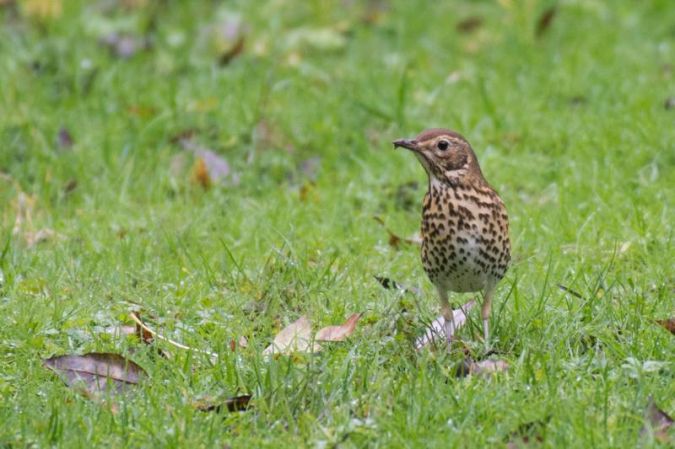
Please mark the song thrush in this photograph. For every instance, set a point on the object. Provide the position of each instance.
(465, 228)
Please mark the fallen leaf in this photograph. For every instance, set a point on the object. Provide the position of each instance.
(64, 139)
(469, 25)
(390, 284)
(296, 337)
(657, 423)
(241, 342)
(124, 46)
(209, 166)
(96, 372)
(394, 240)
(200, 174)
(668, 324)
(338, 333)
(436, 330)
(70, 186)
(39, 236)
(545, 20)
(227, 56)
(234, 404)
(482, 368)
(119, 331)
(147, 333)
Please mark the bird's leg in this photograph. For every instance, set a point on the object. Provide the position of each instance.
(485, 314)
(448, 315)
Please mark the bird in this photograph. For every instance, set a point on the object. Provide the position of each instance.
(465, 225)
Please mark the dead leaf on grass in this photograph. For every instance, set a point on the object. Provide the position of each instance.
(394, 240)
(124, 46)
(391, 284)
(209, 167)
(436, 330)
(545, 20)
(234, 404)
(469, 25)
(296, 337)
(96, 372)
(482, 368)
(657, 423)
(338, 333)
(668, 324)
(148, 334)
(64, 139)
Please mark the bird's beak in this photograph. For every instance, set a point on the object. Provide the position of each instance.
(410, 144)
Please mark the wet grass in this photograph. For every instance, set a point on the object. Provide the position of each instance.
(568, 122)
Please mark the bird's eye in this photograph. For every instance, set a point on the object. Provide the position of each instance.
(442, 145)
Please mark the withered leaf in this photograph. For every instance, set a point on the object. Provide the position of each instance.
(64, 139)
(394, 240)
(668, 324)
(657, 423)
(338, 333)
(469, 24)
(148, 334)
(96, 372)
(483, 368)
(545, 20)
(228, 55)
(391, 284)
(234, 404)
(436, 330)
(296, 337)
(124, 46)
(200, 174)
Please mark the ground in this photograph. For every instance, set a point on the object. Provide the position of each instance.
(218, 165)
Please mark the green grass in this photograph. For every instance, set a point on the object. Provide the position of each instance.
(570, 128)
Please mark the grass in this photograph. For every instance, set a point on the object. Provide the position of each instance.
(570, 127)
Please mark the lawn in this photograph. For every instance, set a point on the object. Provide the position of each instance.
(218, 166)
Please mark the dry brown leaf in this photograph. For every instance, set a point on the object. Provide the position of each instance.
(235, 404)
(296, 337)
(391, 284)
(394, 240)
(147, 332)
(469, 25)
(338, 333)
(668, 324)
(241, 342)
(436, 330)
(200, 174)
(228, 55)
(96, 373)
(64, 139)
(484, 367)
(124, 46)
(657, 423)
(545, 20)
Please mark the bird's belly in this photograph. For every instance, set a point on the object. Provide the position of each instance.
(453, 261)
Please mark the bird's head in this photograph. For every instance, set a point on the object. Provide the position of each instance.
(445, 155)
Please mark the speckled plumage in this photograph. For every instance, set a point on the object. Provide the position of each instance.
(465, 228)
